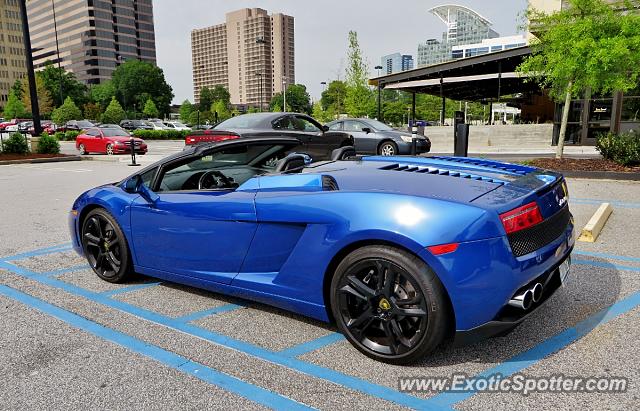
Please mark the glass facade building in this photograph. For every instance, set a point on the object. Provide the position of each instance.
(488, 46)
(396, 62)
(12, 57)
(464, 26)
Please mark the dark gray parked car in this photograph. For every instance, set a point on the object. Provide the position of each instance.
(375, 137)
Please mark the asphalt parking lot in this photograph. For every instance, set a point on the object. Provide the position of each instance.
(69, 340)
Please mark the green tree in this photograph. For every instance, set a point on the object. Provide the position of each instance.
(588, 46)
(52, 77)
(17, 88)
(320, 114)
(298, 99)
(222, 109)
(219, 93)
(114, 112)
(103, 93)
(136, 81)
(206, 99)
(359, 97)
(45, 104)
(14, 107)
(332, 99)
(150, 110)
(67, 111)
(92, 111)
(185, 110)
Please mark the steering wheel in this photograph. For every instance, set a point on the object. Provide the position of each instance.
(214, 179)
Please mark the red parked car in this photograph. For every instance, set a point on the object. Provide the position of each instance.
(109, 141)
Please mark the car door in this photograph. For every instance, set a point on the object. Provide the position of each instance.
(320, 143)
(191, 232)
(364, 142)
(91, 141)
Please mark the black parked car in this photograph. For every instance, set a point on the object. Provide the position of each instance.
(131, 125)
(76, 125)
(375, 137)
(316, 140)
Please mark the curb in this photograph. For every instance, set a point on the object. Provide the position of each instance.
(602, 175)
(41, 160)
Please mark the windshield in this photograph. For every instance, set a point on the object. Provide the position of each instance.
(378, 125)
(85, 124)
(243, 121)
(114, 132)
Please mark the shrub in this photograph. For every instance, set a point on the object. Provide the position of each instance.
(71, 135)
(160, 134)
(15, 144)
(48, 144)
(623, 148)
(59, 135)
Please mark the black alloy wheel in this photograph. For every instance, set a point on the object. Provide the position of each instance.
(105, 246)
(388, 304)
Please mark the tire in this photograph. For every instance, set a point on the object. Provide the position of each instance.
(82, 150)
(372, 287)
(109, 150)
(105, 246)
(388, 148)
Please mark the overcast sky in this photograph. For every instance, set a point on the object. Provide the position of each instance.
(321, 28)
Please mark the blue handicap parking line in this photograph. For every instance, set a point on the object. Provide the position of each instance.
(605, 255)
(312, 345)
(604, 264)
(229, 383)
(67, 270)
(211, 311)
(312, 370)
(130, 288)
(621, 204)
(41, 251)
(545, 348)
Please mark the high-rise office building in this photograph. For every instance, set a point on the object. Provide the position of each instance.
(396, 62)
(94, 36)
(12, 58)
(464, 26)
(251, 54)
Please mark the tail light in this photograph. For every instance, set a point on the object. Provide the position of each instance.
(210, 138)
(522, 217)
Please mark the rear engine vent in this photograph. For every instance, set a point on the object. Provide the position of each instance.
(329, 184)
(533, 238)
(441, 172)
(510, 168)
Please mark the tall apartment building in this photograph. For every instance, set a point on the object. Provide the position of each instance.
(94, 36)
(464, 26)
(250, 52)
(396, 62)
(12, 58)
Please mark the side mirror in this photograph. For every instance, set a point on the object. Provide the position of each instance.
(134, 185)
(366, 130)
(325, 129)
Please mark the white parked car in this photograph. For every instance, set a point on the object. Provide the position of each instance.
(12, 128)
(176, 125)
(157, 125)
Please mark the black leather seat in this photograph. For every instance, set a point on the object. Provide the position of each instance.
(293, 163)
(343, 153)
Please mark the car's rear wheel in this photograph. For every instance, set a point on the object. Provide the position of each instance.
(388, 148)
(109, 149)
(389, 304)
(82, 149)
(105, 246)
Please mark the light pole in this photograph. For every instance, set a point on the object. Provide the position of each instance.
(284, 94)
(55, 29)
(35, 110)
(379, 94)
(259, 75)
(262, 41)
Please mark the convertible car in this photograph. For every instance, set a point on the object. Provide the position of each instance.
(402, 253)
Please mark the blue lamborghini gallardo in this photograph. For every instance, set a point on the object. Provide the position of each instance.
(402, 253)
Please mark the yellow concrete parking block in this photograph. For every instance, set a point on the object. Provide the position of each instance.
(591, 231)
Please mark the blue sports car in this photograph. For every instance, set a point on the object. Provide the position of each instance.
(402, 253)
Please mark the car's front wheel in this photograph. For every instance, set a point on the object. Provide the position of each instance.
(388, 148)
(105, 246)
(389, 304)
(109, 149)
(82, 149)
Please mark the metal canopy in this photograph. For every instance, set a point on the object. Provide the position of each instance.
(479, 78)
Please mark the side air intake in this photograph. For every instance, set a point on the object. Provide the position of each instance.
(510, 168)
(439, 171)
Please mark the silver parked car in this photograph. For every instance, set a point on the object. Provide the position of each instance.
(375, 137)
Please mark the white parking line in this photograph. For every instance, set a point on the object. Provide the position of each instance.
(40, 167)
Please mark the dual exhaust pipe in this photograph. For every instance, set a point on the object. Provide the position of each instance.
(525, 299)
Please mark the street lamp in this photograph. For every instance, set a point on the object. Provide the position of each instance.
(33, 94)
(259, 75)
(284, 93)
(379, 94)
(55, 29)
(262, 41)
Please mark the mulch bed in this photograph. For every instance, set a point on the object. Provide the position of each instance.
(29, 156)
(581, 164)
